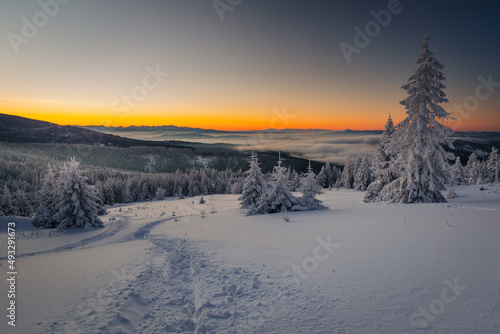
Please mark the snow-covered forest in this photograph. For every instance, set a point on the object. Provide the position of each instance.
(19, 196)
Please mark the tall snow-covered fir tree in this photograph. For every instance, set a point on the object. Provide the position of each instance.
(382, 169)
(492, 167)
(457, 173)
(417, 145)
(310, 189)
(77, 201)
(277, 197)
(473, 170)
(253, 186)
(46, 201)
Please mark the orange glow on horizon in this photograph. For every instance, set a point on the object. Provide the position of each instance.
(254, 118)
(224, 123)
(233, 122)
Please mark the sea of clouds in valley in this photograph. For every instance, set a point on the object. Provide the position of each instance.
(320, 145)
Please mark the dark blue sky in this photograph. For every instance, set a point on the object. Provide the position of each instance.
(233, 73)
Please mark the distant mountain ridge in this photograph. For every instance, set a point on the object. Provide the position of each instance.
(185, 128)
(17, 129)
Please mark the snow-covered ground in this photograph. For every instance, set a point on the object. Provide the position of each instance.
(355, 268)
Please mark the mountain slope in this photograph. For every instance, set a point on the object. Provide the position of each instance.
(16, 129)
(100, 146)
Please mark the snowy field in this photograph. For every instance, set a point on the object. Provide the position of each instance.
(355, 268)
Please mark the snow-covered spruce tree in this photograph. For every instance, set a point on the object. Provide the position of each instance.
(22, 203)
(363, 176)
(473, 170)
(382, 168)
(145, 192)
(77, 201)
(253, 187)
(6, 202)
(328, 175)
(347, 178)
(493, 166)
(321, 178)
(46, 201)
(160, 194)
(109, 195)
(295, 181)
(457, 173)
(277, 197)
(310, 189)
(336, 174)
(482, 172)
(418, 143)
(180, 194)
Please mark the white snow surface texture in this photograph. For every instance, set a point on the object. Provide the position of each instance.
(353, 268)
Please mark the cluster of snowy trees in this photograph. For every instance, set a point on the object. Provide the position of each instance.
(67, 200)
(329, 176)
(260, 197)
(411, 164)
(357, 173)
(148, 187)
(362, 174)
(15, 204)
(476, 171)
(123, 187)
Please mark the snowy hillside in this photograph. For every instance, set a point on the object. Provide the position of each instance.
(355, 268)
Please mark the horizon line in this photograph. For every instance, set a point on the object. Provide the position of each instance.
(225, 130)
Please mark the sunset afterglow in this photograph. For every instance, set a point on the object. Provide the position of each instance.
(265, 65)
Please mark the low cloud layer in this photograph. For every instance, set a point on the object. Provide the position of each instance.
(320, 145)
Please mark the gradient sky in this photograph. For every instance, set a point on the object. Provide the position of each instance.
(267, 59)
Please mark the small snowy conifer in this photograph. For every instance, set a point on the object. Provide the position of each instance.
(253, 186)
(277, 197)
(363, 176)
(382, 165)
(457, 173)
(310, 189)
(492, 167)
(473, 170)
